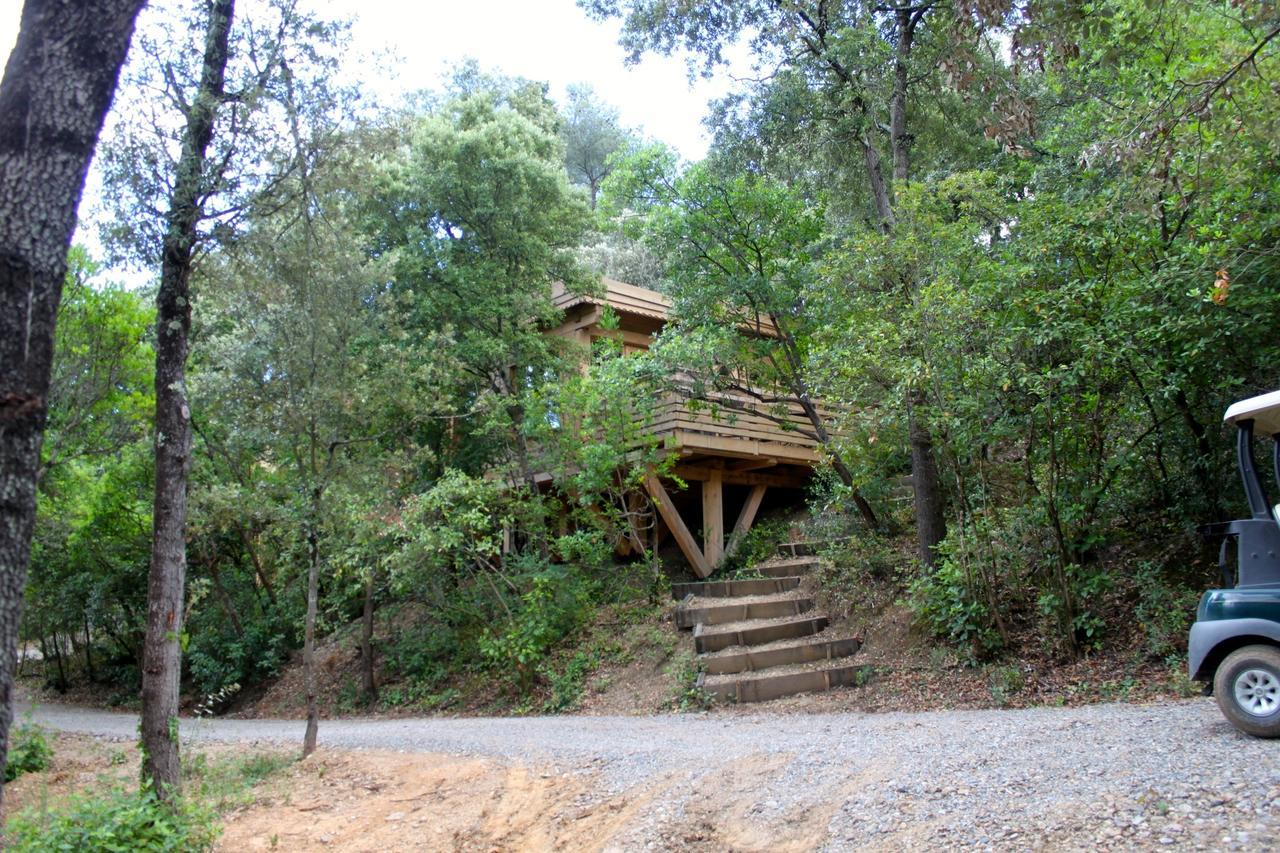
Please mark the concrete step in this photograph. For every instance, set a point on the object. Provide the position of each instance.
(754, 633)
(778, 682)
(701, 612)
(785, 567)
(728, 589)
(777, 654)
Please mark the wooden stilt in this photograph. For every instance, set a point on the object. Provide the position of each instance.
(671, 515)
(745, 519)
(713, 518)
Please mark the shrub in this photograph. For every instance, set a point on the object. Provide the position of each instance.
(1164, 612)
(216, 660)
(945, 604)
(1004, 682)
(29, 752)
(859, 574)
(116, 821)
(557, 602)
(760, 543)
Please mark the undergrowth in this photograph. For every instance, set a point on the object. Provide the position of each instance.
(115, 818)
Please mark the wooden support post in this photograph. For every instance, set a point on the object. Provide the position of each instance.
(713, 517)
(671, 515)
(745, 519)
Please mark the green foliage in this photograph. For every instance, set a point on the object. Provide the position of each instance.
(760, 543)
(1164, 611)
(686, 695)
(1004, 681)
(216, 660)
(29, 751)
(117, 820)
(944, 602)
(554, 606)
(567, 683)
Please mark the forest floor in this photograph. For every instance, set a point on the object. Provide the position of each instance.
(637, 663)
(1102, 776)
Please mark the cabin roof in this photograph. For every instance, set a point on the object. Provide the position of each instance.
(620, 296)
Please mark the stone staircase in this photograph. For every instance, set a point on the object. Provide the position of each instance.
(760, 638)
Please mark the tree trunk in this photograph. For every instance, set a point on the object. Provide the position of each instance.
(88, 650)
(224, 598)
(931, 519)
(899, 139)
(162, 651)
(367, 685)
(62, 670)
(309, 643)
(257, 564)
(56, 89)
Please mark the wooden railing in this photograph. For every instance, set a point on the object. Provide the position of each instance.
(737, 425)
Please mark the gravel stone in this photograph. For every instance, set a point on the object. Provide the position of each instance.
(1173, 776)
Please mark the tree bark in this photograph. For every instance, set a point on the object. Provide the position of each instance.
(162, 651)
(931, 517)
(56, 89)
(367, 686)
(905, 20)
(309, 642)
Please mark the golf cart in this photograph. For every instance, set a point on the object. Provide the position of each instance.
(1235, 641)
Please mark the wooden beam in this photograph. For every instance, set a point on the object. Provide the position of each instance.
(755, 464)
(671, 515)
(743, 448)
(746, 518)
(713, 517)
(699, 473)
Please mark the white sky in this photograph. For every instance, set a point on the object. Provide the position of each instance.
(547, 40)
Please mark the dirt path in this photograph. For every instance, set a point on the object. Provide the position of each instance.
(1170, 775)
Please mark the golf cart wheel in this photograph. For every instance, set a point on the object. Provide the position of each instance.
(1247, 686)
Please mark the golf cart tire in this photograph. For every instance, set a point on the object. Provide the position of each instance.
(1260, 666)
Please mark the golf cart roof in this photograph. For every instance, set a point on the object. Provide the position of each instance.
(1263, 410)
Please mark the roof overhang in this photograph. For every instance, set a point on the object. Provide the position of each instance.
(620, 296)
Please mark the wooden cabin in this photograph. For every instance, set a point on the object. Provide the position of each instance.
(735, 458)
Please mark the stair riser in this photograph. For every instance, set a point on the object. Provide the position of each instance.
(714, 642)
(762, 689)
(754, 661)
(728, 589)
(787, 569)
(808, 549)
(725, 613)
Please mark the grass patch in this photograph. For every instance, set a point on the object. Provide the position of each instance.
(29, 751)
(112, 816)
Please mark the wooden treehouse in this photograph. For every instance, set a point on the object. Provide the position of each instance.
(735, 458)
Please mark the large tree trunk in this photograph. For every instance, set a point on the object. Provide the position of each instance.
(309, 640)
(930, 499)
(367, 685)
(931, 518)
(162, 652)
(56, 90)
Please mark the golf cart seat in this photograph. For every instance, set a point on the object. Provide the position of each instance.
(1257, 539)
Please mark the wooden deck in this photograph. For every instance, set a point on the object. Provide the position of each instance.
(721, 441)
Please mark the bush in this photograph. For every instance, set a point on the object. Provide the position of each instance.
(760, 543)
(116, 821)
(859, 574)
(217, 660)
(29, 752)
(946, 605)
(1164, 610)
(1004, 682)
(558, 601)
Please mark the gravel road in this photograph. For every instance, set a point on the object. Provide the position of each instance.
(1124, 776)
